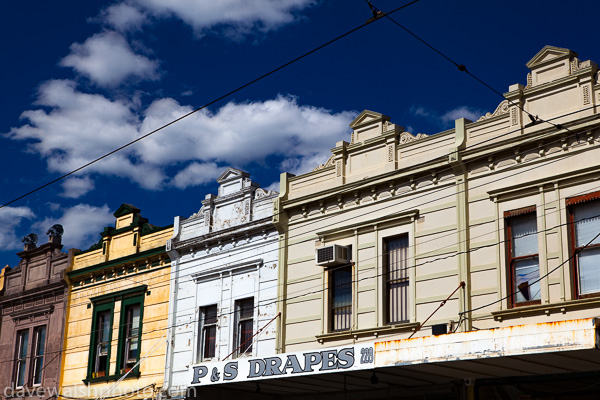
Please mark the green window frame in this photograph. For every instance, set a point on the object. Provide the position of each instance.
(130, 334)
(129, 339)
(94, 362)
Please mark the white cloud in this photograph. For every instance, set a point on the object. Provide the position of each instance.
(82, 224)
(461, 112)
(10, 219)
(76, 187)
(447, 119)
(238, 16)
(240, 133)
(107, 59)
(273, 186)
(124, 17)
(78, 127)
(196, 174)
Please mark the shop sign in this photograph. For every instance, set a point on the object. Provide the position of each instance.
(338, 359)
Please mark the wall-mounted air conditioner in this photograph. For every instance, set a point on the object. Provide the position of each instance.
(332, 255)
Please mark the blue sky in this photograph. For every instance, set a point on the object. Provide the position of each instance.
(83, 78)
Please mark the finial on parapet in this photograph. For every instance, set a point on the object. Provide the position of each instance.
(55, 233)
(30, 241)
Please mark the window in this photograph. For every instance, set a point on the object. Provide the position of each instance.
(208, 332)
(29, 359)
(584, 218)
(244, 323)
(21, 358)
(340, 285)
(101, 338)
(39, 347)
(523, 258)
(128, 343)
(396, 278)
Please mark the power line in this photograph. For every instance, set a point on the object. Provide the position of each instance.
(239, 88)
(321, 290)
(534, 119)
(392, 205)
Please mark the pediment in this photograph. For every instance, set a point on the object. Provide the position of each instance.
(126, 209)
(368, 117)
(549, 54)
(231, 173)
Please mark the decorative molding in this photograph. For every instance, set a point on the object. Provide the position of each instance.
(330, 160)
(577, 65)
(514, 116)
(586, 95)
(501, 109)
(261, 193)
(529, 80)
(406, 137)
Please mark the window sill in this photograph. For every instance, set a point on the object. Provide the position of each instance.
(553, 308)
(132, 375)
(356, 333)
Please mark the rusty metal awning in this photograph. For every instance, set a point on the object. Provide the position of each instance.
(548, 351)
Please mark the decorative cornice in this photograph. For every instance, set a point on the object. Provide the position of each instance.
(233, 232)
(406, 137)
(330, 162)
(31, 312)
(501, 109)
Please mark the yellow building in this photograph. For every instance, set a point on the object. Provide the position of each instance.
(117, 312)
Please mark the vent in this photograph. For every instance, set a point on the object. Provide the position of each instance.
(332, 255)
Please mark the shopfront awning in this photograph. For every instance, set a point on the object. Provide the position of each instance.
(433, 364)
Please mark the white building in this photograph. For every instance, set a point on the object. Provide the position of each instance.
(223, 280)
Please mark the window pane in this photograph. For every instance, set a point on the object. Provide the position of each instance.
(341, 298)
(103, 320)
(40, 341)
(208, 332)
(21, 364)
(527, 271)
(132, 339)
(210, 341)
(210, 314)
(524, 235)
(589, 270)
(587, 222)
(23, 342)
(38, 362)
(246, 336)
(397, 278)
(245, 325)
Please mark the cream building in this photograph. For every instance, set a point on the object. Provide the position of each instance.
(498, 216)
(116, 323)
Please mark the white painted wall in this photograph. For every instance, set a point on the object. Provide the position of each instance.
(225, 252)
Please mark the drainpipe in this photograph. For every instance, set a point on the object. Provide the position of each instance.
(174, 278)
(462, 218)
(280, 222)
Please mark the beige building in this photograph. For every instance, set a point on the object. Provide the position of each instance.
(375, 240)
(115, 332)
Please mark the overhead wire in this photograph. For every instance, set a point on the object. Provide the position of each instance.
(354, 281)
(216, 100)
(443, 257)
(230, 93)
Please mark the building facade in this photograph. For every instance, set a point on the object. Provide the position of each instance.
(462, 264)
(224, 281)
(32, 303)
(115, 331)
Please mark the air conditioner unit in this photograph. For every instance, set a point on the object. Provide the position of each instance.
(332, 255)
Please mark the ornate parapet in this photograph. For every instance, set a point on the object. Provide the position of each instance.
(501, 109)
